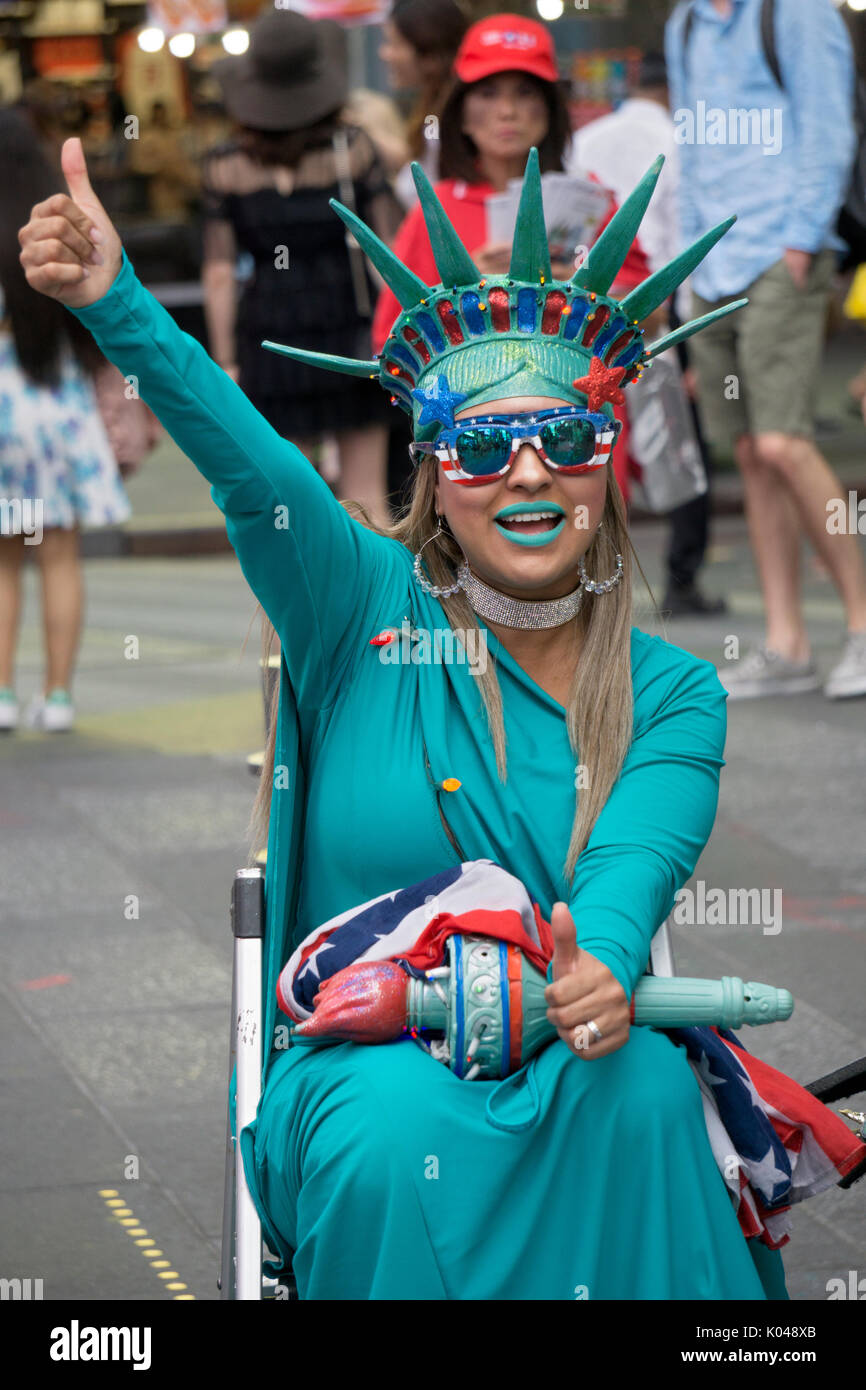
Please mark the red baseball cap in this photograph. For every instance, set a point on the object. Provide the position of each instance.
(505, 43)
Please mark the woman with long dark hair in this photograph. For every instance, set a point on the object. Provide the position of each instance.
(57, 468)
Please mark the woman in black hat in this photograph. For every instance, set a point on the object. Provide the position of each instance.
(266, 193)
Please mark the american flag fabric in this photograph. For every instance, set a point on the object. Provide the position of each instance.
(477, 898)
(775, 1144)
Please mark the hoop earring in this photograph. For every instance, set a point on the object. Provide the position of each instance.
(436, 590)
(605, 585)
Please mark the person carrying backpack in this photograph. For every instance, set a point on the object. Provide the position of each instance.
(763, 97)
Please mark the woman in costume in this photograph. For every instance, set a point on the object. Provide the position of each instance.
(377, 1171)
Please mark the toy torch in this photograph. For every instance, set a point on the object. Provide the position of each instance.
(484, 1013)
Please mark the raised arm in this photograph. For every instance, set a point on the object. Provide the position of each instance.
(291, 535)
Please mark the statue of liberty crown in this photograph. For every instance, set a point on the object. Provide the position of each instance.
(500, 335)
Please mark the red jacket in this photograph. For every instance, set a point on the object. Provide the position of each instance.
(466, 206)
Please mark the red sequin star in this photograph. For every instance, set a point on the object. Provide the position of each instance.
(601, 385)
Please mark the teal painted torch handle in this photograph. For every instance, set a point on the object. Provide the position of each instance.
(725, 1003)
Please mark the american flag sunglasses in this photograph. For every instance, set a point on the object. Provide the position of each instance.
(482, 448)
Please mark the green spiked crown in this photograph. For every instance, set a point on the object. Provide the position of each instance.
(475, 338)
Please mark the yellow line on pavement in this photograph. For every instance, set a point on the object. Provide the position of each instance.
(109, 1195)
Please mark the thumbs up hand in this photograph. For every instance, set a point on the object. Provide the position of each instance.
(70, 249)
(584, 990)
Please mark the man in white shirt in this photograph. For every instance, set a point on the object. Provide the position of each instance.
(618, 149)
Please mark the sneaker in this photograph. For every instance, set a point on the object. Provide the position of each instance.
(765, 672)
(688, 599)
(8, 710)
(52, 713)
(848, 677)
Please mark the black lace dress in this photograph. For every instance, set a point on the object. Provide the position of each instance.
(301, 291)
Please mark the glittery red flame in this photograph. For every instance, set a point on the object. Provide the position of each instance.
(365, 1003)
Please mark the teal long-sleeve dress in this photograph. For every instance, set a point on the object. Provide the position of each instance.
(376, 1169)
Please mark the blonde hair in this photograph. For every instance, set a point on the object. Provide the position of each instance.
(599, 712)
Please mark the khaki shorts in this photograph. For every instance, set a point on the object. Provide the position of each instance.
(758, 368)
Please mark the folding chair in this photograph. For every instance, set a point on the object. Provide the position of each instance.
(241, 1275)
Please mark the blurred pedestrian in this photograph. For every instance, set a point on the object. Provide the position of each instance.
(267, 194)
(419, 43)
(786, 175)
(57, 468)
(620, 147)
(506, 97)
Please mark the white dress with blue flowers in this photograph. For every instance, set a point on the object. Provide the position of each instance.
(54, 448)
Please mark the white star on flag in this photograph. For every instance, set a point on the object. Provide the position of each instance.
(706, 1075)
(765, 1172)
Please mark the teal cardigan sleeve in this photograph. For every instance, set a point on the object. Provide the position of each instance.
(657, 819)
(316, 571)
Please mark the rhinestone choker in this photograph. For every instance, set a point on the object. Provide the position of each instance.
(517, 612)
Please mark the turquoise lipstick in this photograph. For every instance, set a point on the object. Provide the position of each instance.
(536, 527)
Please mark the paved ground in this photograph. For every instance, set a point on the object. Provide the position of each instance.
(118, 849)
